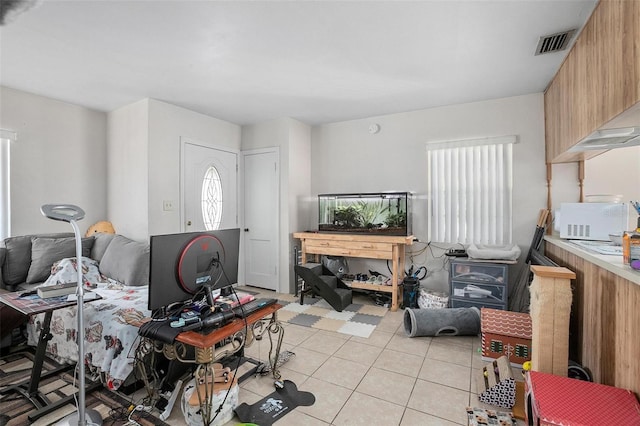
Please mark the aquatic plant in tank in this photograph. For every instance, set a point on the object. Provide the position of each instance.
(383, 213)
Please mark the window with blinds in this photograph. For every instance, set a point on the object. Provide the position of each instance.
(6, 137)
(470, 191)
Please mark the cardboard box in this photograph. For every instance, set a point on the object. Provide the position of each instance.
(482, 417)
(505, 333)
(557, 400)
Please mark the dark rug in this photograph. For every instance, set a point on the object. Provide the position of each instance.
(274, 406)
(14, 409)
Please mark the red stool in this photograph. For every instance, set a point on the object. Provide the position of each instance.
(556, 400)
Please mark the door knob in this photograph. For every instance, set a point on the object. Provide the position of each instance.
(246, 229)
(188, 223)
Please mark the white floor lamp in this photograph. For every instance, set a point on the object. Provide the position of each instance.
(70, 213)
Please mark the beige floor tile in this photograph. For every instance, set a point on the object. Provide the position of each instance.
(450, 353)
(411, 345)
(446, 373)
(387, 385)
(288, 297)
(296, 334)
(464, 341)
(377, 338)
(288, 374)
(365, 410)
(416, 418)
(391, 322)
(332, 333)
(476, 360)
(259, 349)
(298, 418)
(440, 401)
(306, 361)
(264, 385)
(323, 343)
(341, 372)
(330, 399)
(248, 397)
(399, 362)
(358, 352)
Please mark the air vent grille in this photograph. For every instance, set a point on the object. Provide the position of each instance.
(554, 42)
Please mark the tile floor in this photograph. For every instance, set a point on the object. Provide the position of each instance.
(387, 379)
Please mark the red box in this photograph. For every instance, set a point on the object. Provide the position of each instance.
(505, 333)
(556, 400)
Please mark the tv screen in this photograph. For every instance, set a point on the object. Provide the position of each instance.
(182, 265)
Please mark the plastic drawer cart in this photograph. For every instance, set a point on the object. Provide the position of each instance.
(478, 284)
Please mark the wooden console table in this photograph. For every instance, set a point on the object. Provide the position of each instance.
(239, 333)
(364, 246)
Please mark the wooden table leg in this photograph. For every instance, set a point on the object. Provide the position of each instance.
(395, 275)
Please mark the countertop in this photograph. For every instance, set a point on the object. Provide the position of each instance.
(609, 262)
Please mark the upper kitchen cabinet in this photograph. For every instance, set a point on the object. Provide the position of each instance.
(598, 81)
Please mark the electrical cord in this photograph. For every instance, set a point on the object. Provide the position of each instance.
(239, 361)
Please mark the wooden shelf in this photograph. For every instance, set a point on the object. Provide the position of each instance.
(362, 246)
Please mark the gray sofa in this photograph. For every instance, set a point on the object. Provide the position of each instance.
(25, 261)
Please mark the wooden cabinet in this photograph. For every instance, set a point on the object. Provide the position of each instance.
(599, 79)
(365, 246)
(605, 319)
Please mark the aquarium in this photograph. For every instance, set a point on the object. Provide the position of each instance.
(382, 213)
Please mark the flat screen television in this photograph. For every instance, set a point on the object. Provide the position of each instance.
(183, 265)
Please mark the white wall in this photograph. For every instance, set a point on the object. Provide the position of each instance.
(293, 139)
(299, 190)
(167, 124)
(615, 172)
(60, 157)
(144, 162)
(128, 170)
(345, 157)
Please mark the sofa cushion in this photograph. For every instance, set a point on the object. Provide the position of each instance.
(18, 257)
(46, 251)
(100, 245)
(126, 261)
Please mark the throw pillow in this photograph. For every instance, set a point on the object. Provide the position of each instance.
(126, 261)
(17, 259)
(46, 251)
(100, 245)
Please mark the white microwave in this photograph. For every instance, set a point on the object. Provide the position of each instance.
(592, 221)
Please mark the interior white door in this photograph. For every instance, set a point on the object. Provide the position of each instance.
(210, 191)
(261, 218)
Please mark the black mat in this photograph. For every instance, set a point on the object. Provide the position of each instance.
(275, 405)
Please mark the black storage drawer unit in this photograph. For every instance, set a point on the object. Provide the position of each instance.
(479, 284)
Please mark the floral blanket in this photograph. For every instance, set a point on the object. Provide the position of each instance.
(111, 323)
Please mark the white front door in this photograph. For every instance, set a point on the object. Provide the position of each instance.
(210, 191)
(261, 217)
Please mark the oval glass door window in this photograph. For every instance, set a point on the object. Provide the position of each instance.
(211, 199)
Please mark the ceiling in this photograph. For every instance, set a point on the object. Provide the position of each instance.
(314, 61)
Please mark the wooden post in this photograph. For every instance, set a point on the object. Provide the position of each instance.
(550, 310)
(581, 179)
(549, 204)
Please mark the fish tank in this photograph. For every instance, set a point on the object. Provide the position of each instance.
(381, 213)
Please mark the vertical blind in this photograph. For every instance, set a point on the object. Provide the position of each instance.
(470, 184)
(6, 137)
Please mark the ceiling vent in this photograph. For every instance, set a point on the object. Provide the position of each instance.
(554, 42)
